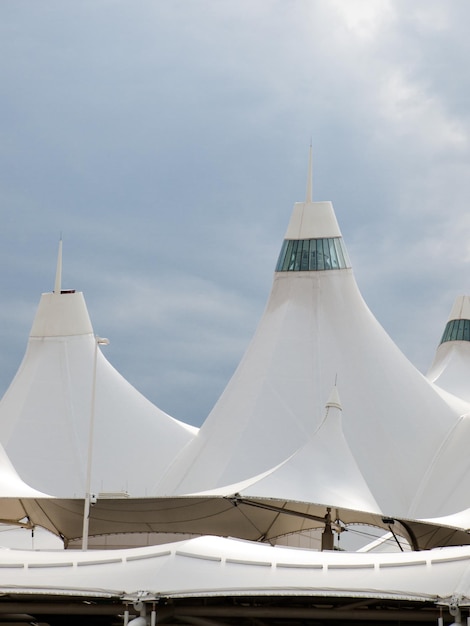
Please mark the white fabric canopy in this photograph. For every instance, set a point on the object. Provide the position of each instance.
(322, 470)
(245, 517)
(317, 329)
(45, 414)
(400, 450)
(214, 566)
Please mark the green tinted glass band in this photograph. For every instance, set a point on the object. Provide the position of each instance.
(456, 330)
(307, 255)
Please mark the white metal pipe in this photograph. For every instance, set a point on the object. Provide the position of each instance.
(86, 508)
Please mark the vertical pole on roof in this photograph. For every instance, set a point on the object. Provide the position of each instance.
(99, 341)
(308, 196)
(58, 272)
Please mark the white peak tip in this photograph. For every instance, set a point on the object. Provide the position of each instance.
(334, 399)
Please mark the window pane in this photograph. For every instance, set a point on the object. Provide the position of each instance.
(313, 254)
(304, 255)
(282, 256)
(320, 256)
(285, 264)
(298, 253)
(333, 258)
(293, 252)
(466, 331)
(347, 262)
(339, 253)
(449, 331)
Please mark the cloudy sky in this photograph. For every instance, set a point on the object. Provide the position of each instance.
(167, 140)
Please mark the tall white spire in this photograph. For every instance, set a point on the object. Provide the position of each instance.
(312, 220)
(58, 273)
(308, 197)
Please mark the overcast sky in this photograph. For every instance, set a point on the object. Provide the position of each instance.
(168, 141)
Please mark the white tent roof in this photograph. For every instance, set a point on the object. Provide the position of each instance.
(268, 460)
(323, 469)
(324, 466)
(317, 329)
(11, 485)
(215, 566)
(45, 413)
(403, 439)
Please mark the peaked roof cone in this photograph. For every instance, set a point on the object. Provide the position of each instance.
(451, 366)
(316, 326)
(323, 470)
(45, 413)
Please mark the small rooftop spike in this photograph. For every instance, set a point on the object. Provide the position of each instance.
(334, 400)
(58, 273)
(308, 197)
